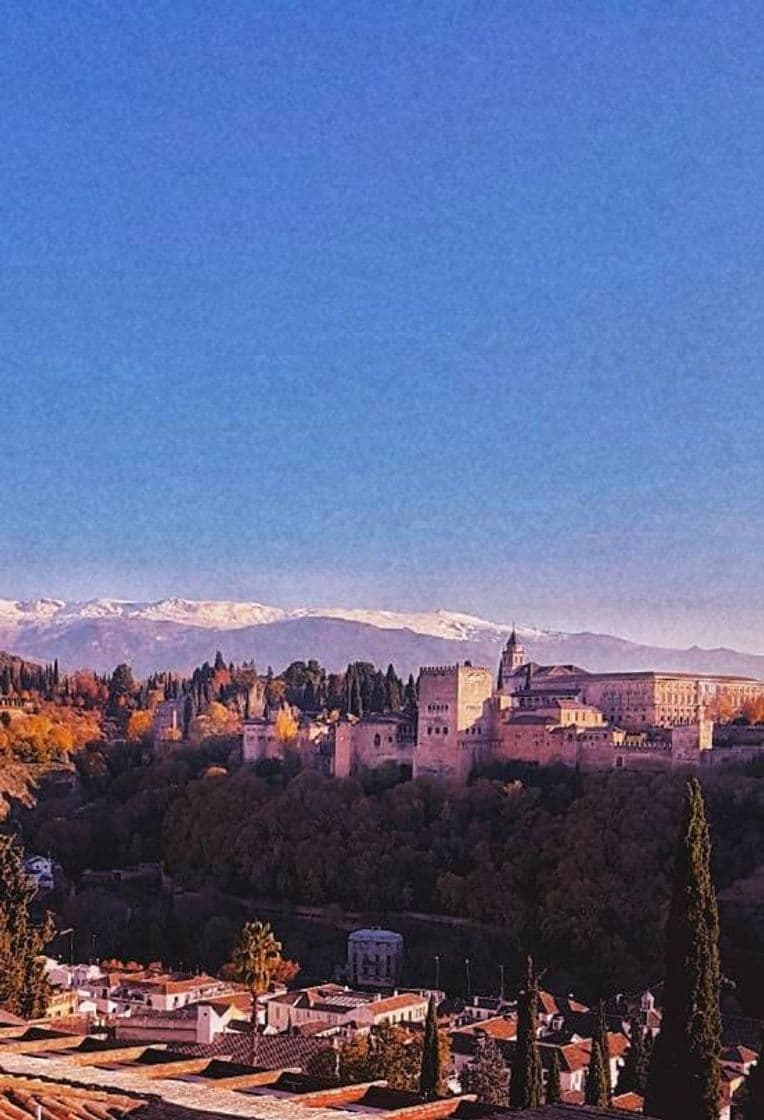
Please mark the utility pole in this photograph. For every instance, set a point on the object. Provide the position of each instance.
(70, 932)
(467, 974)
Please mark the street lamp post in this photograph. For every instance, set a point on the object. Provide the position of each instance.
(63, 933)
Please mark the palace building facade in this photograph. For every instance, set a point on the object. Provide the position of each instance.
(542, 714)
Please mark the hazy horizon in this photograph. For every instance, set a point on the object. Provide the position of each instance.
(448, 306)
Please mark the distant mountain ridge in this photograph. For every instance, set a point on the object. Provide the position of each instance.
(180, 633)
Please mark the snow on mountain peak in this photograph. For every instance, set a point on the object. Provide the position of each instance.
(215, 614)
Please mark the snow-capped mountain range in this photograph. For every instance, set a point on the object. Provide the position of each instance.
(221, 615)
(180, 633)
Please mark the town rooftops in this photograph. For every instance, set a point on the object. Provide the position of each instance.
(158, 1084)
(563, 1005)
(331, 998)
(40, 1100)
(274, 1051)
(739, 1055)
(55, 1076)
(472, 1110)
(172, 983)
(628, 1102)
(397, 1002)
(500, 1029)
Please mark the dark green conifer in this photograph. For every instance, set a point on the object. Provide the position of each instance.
(600, 1034)
(377, 703)
(648, 1044)
(188, 714)
(595, 1089)
(633, 1072)
(684, 1078)
(393, 690)
(350, 689)
(429, 1076)
(411, 696)
(487, 1075)
(24, 989)
(308, 697)
(525, 1083)
(553, 1090)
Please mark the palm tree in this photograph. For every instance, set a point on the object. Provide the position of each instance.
(256, 958)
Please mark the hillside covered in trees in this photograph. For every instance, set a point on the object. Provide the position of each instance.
(46, 715)
(555, 862)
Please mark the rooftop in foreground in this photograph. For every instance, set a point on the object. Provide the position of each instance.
(70, 1078)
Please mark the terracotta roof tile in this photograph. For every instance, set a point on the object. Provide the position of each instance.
(274, 1051)
(498, 1028)
(21, 1097)
(739, 1054)
(630, 1102)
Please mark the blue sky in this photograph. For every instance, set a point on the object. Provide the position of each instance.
(404, 305)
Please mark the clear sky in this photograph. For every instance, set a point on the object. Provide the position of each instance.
(402, 304)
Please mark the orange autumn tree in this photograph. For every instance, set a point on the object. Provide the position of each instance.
(215, 721)
(139, 726)
(50, 733)
(753, 710)
(286, 726)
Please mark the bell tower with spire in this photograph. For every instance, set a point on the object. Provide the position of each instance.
(512, 658)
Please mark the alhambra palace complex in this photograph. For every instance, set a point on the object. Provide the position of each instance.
(533, 713)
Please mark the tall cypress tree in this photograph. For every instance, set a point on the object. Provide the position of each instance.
(631, 1078)
(753, 1108)
(553, 1089)
(600, 1034)
(429, 1076)
(410, 693)
(684, 1078)
(377, 703)
(648, 1042)
(393, 690)
(23, 987)
(525, 1084)
(595, 1089)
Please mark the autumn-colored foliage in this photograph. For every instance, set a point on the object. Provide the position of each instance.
(216, 720)
(139, 726)
(722, 710)
(286, 727)
(753, 710)
(52, 732)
